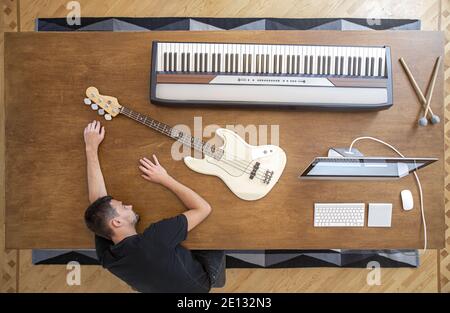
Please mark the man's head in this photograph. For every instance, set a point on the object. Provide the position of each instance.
(106, 216)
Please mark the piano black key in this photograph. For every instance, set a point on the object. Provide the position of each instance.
(183, 68)
(367, 71)
(236, 63)
(380, 63)
(201, 62)
(298, 65)
(349, 69)
(275, 69)
(219, 62)
(336, 65)
(328, 65)
(257, 63)
(170, 61)
(372, 65)
(305, 65)
(355, 66)
(226, 62)
(249, 63)
(311, 63)
(175, 57)
(324, 64)
(213, 62)
(262, 59)
(319, 61)
(280, 63)
(359, 66)
(232, 62)
(267, 63)
(195, 62)
(341, 66)
(188, 62)
(288, 64)
(244, 63)
(165, 61)
(205, 58)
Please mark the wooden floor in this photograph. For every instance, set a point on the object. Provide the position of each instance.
(17, 273)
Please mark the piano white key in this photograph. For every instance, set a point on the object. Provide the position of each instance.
(326, 54)
(257, 59)
(193, 53)
(205, 57)
(231, 58)
(270, 53)
(313, 65)
(164, 56)
(170, 57)
(333, 60)
(376, 54)
(296, 54)
(252, 50)
(380, 64)
(282, 60)
(357, 64)
(351, 60)
(345, 54)
(159, 55)
(293, 63)
(236, 58)
(302, 53)
(208, 58)
(383, 60)
(218, 58)
(191, 57)
(282, 65)
(178, 51)
(363, 61)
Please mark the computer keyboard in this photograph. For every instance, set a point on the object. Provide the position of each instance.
(339, 214)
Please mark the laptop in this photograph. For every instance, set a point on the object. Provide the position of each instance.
(363, 167)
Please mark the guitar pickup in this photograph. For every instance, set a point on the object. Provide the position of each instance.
(254, 170)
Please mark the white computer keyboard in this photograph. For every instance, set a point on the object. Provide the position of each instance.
(339, 214)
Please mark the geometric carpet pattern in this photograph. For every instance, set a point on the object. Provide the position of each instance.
(196, 24)
(264, 258)
(243, 258)
(445, 253)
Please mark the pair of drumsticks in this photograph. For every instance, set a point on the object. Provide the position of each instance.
(426, 101)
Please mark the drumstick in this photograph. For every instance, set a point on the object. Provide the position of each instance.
(431, 89)
(414, 84)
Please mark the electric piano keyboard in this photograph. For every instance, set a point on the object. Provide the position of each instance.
(271, 75)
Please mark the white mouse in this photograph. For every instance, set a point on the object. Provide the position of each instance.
(407, 200)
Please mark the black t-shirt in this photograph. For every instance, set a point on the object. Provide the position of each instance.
(154, 261)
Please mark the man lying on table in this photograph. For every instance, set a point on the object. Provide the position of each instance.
(154, 261)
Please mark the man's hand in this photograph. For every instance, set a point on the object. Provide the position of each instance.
(93, 135)
(153, 172)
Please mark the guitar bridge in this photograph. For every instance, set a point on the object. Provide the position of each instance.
(267, 176)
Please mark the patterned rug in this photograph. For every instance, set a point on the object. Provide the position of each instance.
(241, 258)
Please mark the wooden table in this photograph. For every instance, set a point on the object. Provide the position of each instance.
(46, 190)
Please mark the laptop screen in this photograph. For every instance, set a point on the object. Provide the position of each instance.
(364, 167)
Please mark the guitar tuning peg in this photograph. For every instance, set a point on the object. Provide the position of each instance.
(94, 106)
(108, 117)
(101, 112)
(87, 101)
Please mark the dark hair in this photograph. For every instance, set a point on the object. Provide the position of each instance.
(97, 216)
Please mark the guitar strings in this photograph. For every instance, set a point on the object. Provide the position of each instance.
(184, 140)
(242, 166)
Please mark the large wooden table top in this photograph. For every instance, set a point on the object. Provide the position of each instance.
(46, 189)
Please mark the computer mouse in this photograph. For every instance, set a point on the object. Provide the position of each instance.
(407, 200)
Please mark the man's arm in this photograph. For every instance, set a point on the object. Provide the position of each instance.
(199, 209)
(93, 136)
